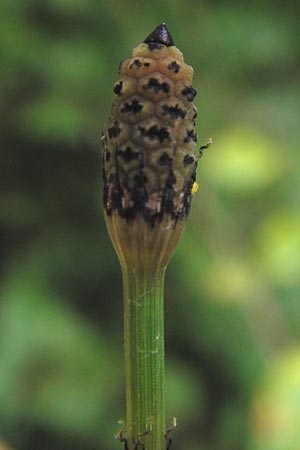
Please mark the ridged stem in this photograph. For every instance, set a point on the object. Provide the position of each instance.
(144, 358)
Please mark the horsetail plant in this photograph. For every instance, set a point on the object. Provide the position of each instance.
(149, 172)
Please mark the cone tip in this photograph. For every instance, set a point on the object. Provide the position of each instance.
(160, 35)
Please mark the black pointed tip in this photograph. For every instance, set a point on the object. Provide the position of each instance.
(160, 35)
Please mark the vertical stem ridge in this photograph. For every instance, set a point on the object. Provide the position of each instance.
(144, 357)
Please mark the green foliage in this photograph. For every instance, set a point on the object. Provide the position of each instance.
(232, 290)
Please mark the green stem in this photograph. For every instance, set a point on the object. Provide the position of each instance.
(144, 358)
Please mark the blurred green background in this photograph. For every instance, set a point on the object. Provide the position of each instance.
(232, 289)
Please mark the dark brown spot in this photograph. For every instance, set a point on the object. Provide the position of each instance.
(173, 111)
(113, 193)
(171, 179)
(168, 202)
(164, 160)
(118, 88)
(107, 155)
(132, 108)
(140, 195)
(114, 131)
(140, 178)
(188, 159)
(146, 64)
(155, 133)
(120, 65)
(174, 67)
(168, 197)
(190, 136)
(137, 63)
(189, 92)
(128, 154)
(156, 86)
